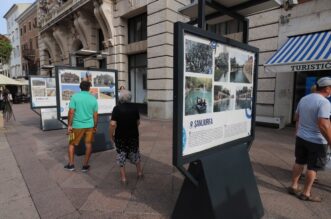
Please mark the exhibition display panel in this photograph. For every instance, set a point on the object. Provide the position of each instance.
(42, 92)
(104, 84)
(214, 87)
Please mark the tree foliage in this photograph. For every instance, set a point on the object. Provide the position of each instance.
(5, 48)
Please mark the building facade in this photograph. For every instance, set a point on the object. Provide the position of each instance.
(14, 36)
(29, 33)
(134, 37)
(4, 65)
(4, 68)
(280, 86)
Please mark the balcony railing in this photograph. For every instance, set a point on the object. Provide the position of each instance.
(58, 11)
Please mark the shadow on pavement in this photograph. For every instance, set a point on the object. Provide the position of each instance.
(42, 156)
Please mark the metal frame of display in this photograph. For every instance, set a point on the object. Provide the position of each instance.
(56, 125)
(219, 181)
(30, 91)
(57, 68)
(222, 10)
(180, 29)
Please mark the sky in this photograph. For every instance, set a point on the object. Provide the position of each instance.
(5, 5)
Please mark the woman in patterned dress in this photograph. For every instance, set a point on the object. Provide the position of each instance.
(124, 134)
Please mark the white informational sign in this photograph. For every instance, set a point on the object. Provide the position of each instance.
(43, 92)
(103, 88)
(218, 89)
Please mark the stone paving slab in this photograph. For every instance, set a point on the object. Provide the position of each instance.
(107, 201)
(15, 200)
(22, 208)
(53, 203)
(13, 189)
(57, 193)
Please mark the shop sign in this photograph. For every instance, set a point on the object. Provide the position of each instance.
(311, 67)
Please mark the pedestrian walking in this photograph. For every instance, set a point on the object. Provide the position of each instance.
(313, 133)
(82, 121)
(124, 134)
(1, 101)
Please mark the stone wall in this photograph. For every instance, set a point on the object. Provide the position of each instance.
(160, 29)
(161, 16)
(263, 34)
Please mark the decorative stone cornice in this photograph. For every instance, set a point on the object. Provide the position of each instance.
(103, 11)
(60, 36)
(48, 40)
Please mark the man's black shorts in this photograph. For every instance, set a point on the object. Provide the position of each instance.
(314, 155)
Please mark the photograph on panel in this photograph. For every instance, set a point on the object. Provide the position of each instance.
(69, 78)
(198, 57)
(38, 92)
(95, 92)
(198, 95)
(244, 97)
(106, 93)
(241, 66)
(38, 82)
(50, 83)
(86, 76)
(51, 92)
(221, 71)
(224, 98)
(103, 79)
(69, 90)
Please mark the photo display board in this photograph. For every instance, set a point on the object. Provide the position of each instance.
(42, 92)
(104, 88)
(214, 89)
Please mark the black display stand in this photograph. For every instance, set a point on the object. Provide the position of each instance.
(227, 188)
(101, 138)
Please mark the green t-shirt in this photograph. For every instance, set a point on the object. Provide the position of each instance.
(84, 104)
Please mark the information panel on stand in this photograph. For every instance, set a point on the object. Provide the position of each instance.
(214, 82)
(42, 92)
(104, 87)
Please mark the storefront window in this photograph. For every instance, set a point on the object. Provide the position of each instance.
(138, 77)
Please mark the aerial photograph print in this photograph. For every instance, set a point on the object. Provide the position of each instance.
(198, 57)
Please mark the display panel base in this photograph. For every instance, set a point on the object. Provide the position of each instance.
(49, 121)
(101, 138)
(227, 188)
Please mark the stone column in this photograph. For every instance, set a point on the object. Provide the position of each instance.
(160, 25)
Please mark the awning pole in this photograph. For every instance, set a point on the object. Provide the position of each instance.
(245, 30)
(201, 14)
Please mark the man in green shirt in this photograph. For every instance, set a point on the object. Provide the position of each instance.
(82, 121)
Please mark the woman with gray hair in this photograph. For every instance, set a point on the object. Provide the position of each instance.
(124, 134)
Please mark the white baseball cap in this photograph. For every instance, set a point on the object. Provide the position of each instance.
(324, 82)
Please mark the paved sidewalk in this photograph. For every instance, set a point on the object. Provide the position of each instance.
(15, 199)
(57, 193)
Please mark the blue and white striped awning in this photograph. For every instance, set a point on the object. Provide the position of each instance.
(303, 53)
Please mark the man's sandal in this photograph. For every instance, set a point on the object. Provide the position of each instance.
(310, 198)
(294, 191)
